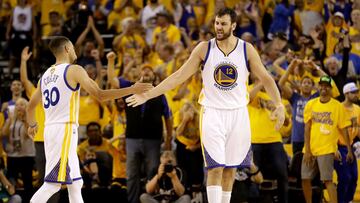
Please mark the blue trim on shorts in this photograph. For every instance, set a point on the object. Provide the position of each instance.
(66, 82)
(234, 166)
(215, 166)
(210, 162)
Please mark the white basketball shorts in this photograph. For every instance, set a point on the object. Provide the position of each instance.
(225, 136)
(62, 163)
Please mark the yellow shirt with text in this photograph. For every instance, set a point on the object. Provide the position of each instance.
(353, 114)
(326, 120)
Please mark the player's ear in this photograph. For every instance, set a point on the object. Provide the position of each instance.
(66, 48)
(233, 26)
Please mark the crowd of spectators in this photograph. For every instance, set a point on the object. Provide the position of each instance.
(153, 152)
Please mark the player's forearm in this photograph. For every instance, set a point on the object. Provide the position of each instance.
(106, 95)
(168, 84)
(30, 115)
(272, 89)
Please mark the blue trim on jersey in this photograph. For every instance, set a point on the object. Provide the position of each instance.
(246, 60)
(207, 53)
(66, 82)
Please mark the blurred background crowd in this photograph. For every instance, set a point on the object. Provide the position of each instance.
(119, 42)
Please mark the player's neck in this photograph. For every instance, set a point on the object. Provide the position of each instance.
(228, 42)
(61, 60)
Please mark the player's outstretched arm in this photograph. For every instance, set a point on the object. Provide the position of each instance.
(30, 112)
(259, 70)
(77, 75)
(187, 70)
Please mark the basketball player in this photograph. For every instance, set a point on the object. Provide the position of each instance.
(224, 121)
(58, 90)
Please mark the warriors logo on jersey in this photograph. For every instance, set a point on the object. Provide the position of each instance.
(225, 76)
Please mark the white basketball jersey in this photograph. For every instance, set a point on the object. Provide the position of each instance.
(225, 78)
(60, 100)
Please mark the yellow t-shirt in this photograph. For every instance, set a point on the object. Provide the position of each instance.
(119, 163)
(48, 6)
(130, 44)
(353, 115)
(40, 119)
(331, 41)
(355, 46)
(261, 117)
(314, 5)
(191, 134)
(119, 124)
(172, 34)
(115, 18)
(89, 110)
(84, 146)
(327, 119)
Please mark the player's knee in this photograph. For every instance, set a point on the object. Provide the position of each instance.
(215, 172)
(52, 187)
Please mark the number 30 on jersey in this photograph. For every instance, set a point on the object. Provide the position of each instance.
(52, 97)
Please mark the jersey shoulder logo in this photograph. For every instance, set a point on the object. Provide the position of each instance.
(225, 76)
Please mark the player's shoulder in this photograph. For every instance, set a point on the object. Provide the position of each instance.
(202, 49)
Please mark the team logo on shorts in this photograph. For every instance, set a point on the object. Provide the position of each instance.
(225, 75)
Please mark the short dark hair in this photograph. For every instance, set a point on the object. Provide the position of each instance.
(227, 11)
(93, 124)
(56, 44)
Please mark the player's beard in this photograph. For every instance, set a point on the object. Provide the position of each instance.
(225, 35)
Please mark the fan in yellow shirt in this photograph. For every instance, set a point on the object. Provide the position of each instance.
(347, 171)
(324, 118)
(266, 142)
(334, 29)
(122, 9)
(355, 32)
(129, 40)
(39, 116)
(165, 31)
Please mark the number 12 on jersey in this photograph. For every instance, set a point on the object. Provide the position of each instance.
(52, 97)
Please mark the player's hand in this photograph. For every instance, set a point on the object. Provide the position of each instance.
(279, 114)
(141, 87)
(32, 131)
(25, 54)
(136, 100)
